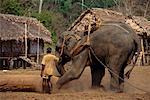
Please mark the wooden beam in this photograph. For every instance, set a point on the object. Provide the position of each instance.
(34, 64)
(24, 83)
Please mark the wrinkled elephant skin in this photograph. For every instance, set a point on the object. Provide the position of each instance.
(114, 44)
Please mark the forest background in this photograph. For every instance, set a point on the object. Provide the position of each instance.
(58, 15)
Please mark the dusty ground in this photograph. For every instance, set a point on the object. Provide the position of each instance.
(80, 89)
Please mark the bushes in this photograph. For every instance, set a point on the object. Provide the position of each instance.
(57, 19)
(56, 15)
(53, 21)
(11, 7)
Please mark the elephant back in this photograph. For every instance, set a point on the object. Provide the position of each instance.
(96, 16)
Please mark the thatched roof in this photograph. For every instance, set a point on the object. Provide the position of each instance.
(143, 23)
(96, 16)
(13, 28)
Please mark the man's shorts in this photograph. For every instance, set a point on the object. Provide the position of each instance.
(45, 77)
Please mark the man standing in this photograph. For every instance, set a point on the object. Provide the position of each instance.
(48, 70)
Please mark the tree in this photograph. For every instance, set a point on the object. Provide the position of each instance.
(11, 7)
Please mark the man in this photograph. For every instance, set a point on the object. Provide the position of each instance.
(48, 70)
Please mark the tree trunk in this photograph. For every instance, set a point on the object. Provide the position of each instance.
(24, 83)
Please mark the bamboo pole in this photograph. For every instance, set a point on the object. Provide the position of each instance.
(26, 46)
(89, 31)
(38, 46)
(40, 6)
(82, 4)
(146, 8)
(38, 40)
(147, 53)
(143, 53)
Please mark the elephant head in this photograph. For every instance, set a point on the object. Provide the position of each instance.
(66, 42)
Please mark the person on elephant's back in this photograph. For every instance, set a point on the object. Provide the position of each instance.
(48, 70)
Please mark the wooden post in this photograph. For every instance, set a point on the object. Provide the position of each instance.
(26, 46)
(38, 46)
(38, 40)
(82, 4)
(146, 50)
(146, 8)
(143, 53)
(40, 6)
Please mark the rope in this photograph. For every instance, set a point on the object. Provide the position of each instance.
(116, 26)
(89, 31)
(67, 36)
(62, 46)
(115, 73)
(129, 72)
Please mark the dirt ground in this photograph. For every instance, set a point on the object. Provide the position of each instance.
(80, 89)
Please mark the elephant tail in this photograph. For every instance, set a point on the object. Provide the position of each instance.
(136, 52)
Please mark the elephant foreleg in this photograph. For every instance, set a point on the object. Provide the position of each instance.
(78, 65)
(97, 73)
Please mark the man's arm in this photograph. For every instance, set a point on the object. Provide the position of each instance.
(43, 66)
(56, 58)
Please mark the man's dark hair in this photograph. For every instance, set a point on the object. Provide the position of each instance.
(49, 50)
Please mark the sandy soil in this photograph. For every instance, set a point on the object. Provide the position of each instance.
(80, 89)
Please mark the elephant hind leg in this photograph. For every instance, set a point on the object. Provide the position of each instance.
(116, 65)
(114, 82)
(97, 73)
(121, 75)
(125, 63)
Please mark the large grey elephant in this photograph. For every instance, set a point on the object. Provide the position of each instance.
(114, 44)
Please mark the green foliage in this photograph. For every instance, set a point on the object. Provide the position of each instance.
(44, 17)
(11, 7)
(53, 21)
(65, 6)
(99, 3)
(56, 20)
(16, 7)
(54, 37)
(71, 9)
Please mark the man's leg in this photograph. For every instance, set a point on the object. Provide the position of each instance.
(44, 85)
(49, 84)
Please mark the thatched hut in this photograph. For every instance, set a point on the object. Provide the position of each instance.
(96, 16)
(21, 36)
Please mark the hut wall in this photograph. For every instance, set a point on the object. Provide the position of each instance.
(14, 48)
(0, 49)
(6, 48)
(147, 50)
(0, 54)
(11, 48)
(17, 48)
(32, 48)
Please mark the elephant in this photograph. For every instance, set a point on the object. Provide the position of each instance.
(113, 44)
